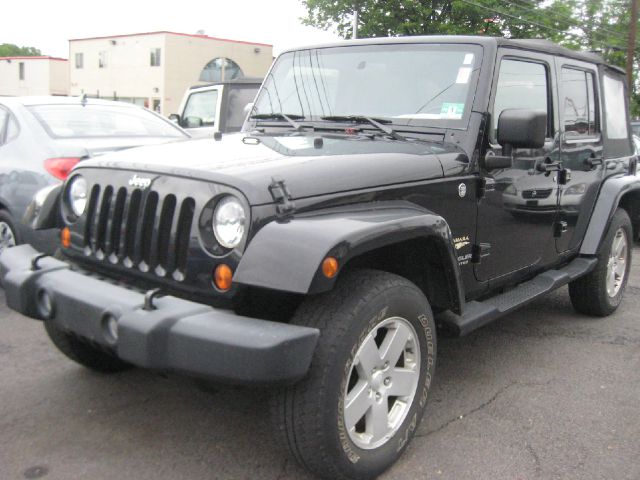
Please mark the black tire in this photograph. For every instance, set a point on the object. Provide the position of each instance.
(7, 221)
(309, 416)
(589, 294)
(83, 353)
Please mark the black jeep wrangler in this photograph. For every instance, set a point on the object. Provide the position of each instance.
(376, 184)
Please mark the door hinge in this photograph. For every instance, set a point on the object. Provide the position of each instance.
(479, 251)
(280, 193)
(559, 228)
(485, 185)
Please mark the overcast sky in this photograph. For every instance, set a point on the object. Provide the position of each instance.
(48, 24)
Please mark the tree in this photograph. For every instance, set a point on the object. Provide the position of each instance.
(598, 25)
(447, 17)
(11, 50)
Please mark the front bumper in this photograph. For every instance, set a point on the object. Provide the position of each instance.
(176, 335)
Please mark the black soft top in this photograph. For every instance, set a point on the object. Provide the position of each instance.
(534, 45)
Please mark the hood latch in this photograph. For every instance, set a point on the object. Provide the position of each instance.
(280, 193)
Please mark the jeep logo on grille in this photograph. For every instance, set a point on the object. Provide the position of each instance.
(139, 182)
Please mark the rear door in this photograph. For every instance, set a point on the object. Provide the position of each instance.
(581, 149)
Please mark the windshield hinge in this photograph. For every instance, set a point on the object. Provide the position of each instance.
(284, 205)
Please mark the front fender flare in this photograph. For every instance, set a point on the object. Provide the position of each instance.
(287, 256)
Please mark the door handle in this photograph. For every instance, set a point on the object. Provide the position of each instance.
(593, 162)
(549, 166)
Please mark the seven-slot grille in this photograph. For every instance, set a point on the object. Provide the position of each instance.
(535, 194)
(139, 229)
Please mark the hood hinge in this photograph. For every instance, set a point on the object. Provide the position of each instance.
(280, 193)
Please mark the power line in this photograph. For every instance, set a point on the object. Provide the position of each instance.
(540, 25)
(570, 20)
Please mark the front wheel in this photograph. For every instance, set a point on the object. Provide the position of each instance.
(363, 399)
(600, 292)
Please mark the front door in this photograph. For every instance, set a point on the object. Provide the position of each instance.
(517, 214)
(581, 149)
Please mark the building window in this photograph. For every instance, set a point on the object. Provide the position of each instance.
(79, 60)
(220, 69)
(21, 70)
(102, 60)
(155, 57)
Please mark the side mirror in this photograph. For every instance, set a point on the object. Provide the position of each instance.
(521, 129)
(192, 122)
(175, 118)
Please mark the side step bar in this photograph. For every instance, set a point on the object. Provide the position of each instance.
(477, 314)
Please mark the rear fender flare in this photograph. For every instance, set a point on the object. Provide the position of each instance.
(611, 193)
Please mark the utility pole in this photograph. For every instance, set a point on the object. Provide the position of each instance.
(354, 25)
(632, 43)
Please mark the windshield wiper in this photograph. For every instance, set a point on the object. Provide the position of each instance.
(379, 123)
(290, 118)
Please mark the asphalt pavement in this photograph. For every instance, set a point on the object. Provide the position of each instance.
(543, 393)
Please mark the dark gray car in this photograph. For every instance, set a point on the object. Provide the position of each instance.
(42, 138)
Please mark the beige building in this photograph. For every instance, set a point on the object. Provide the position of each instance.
(155, 69)
(34, 76)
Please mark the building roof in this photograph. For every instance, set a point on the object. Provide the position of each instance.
(204, 37)
(41, 57)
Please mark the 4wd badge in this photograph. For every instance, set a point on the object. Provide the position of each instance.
(462, 190)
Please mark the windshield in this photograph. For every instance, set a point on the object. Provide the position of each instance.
(77, 121)
(408, 84)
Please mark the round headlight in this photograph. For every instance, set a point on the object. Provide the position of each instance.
(229, 222)
(78, 195)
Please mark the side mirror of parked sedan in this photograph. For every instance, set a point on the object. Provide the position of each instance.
(175, 118)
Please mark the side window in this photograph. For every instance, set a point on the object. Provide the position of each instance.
(203, 106)
(578, 103)
(615, 108)
(521, 85)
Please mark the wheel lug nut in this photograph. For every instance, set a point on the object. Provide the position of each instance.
(387, 381)
(378, 396)
(386, 364)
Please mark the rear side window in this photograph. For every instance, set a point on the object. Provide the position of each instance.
(237, 100)
(578, 103)
(522, 85)
(615, 108)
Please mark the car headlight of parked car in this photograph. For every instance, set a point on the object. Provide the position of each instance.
(229, 222)
(77, 195)
(511, 190)
(577, 189)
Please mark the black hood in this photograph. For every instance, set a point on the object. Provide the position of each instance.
(249, 163)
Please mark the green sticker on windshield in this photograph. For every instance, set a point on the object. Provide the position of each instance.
(452, 111)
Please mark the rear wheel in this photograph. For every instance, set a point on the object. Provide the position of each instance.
(600, 292)
(82, 352)
(354, 414)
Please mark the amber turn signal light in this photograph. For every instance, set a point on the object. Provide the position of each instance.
(330, 267)
(65, 237)
(223, 277)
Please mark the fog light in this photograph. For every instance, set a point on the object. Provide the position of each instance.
(45, 304)
(223, 277)
(110, 327)
(65, 237)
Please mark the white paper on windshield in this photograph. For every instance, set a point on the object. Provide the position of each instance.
(468, 59)
(463, 75)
